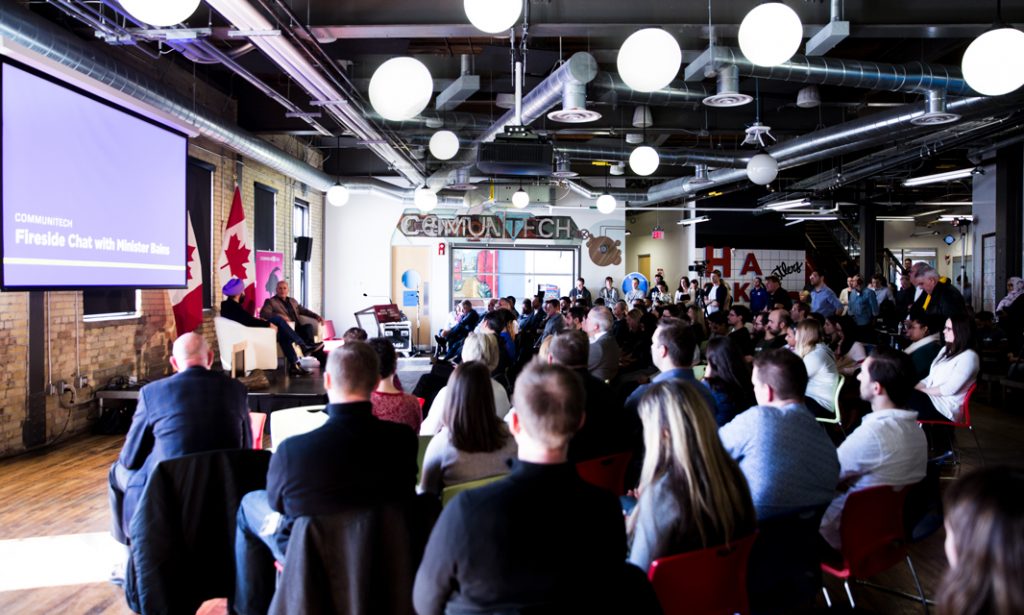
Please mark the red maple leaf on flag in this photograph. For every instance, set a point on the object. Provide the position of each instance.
(238, 258)
(188, 259)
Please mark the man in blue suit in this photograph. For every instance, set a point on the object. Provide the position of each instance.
(193, 411)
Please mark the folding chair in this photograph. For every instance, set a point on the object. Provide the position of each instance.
(607, 472)
(836, 419)
(257, 421)
(965, 422)
(449, 492)
(711, 581)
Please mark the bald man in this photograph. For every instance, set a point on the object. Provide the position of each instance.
(193, 411)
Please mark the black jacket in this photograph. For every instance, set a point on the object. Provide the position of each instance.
(183, 536)
(605, 430)
(781, 297)
(354, 458)
(946, 301)
(233, 310)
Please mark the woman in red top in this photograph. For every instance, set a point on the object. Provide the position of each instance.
(390, 403)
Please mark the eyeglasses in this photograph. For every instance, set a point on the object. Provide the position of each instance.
(947, 328)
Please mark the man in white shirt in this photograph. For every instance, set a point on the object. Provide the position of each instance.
(889, 448)
(636, 293)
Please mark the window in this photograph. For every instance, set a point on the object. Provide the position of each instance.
(264, 215)
(481, 274)
(300, 269)
(111, 304)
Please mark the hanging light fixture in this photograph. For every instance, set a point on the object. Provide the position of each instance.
(644, 160)
(520, 199)
(444, 144)
(770, 34)
(606, 203)
(649, 59)
(338, 195)
(425, 199)
(493, 16)
(160, 13)
(994, 62)
(400, 88)
(762, 169)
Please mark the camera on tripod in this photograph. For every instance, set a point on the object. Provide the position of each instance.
(700, 268)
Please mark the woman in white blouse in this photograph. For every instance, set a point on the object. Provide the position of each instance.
(481, 347)
(822, 374)
(940, 395)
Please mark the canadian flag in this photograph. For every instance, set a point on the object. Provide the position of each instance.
(235, 253)
(188, 302)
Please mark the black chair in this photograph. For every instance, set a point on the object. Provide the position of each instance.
(785, 563)
(183, 531)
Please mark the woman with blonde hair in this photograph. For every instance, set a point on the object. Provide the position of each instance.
(482, 347)
(822, 373)
(692, 494)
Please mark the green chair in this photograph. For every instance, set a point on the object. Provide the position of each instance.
(424, 441)
(836, 419)
(698, 371)
(453, 490)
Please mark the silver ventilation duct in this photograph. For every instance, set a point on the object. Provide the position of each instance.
(587, 193)
(913, 77)
(609, 88)
(580, 68)
(728, 94)
(382, 189)
(24, 29)
(681, 158)
(935, 110)
(574, 106)
(563, 168)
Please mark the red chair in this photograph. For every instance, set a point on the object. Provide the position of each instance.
(606, 472)
(965, 422)
(874, 538)
(257, 421)
(711, 581)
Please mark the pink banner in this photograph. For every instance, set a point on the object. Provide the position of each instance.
(269, 271)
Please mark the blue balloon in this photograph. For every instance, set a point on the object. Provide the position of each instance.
(411, 279)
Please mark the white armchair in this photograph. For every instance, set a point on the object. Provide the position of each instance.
(260, 344)
(294, 421)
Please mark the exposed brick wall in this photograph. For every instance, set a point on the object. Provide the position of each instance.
(140, 346)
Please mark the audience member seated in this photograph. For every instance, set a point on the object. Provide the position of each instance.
(193, 411)
(822, 374)
(231, 308)
(846, 343)
(603, 361)
(292, 312)
(390, 403)
(473, 442)
(353, 459)
(889, 448)
(635, 294)
(789, 461)
(355, 334)
(580, 292)
(496, 324)
(574, 318)
(696, 314)
(453, 319)
(925, 343)
(940, 396)
(451, 343)
(620, 328)
(605, 428)
(799, 312)
(480, 347)
(692, 495)
(984, 544)
(672, 350)
(718, 324)
(636, 347)
(991, 338)
(727, 376)
(778, 324)
(553, 322)
(542, 538)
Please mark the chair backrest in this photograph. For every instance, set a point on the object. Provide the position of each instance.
(872, 530)
(711, 581)
(295, 421)
(698, 371)
(607, 472)
(329, 330)
(257, 421)
(965, 411)
(424, 442)
(449, 492)
(836, 417)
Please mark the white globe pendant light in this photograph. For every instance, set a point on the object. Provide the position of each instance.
(644, 160)
(160, 13)
(649, 59)
(520, 199)
(400, 88)
(606, 203)
(425, 199)
(493, 16)
(770, 34)
(762, 169)
(994, 62)
(337, 195)
(444, 144)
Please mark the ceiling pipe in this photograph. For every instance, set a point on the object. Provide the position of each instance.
(609, 88)
(378, 188)
(340, 105)
(681, 158)
(590, 193)
(20, 28)
(912, 77)
(822, 144)
(580, 68)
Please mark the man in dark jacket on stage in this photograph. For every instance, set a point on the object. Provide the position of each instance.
(231, 308)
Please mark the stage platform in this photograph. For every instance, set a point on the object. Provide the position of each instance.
(292, 391)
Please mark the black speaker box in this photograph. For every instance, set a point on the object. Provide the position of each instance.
(303, 248)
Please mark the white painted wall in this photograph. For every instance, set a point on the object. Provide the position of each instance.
(357, 256)
(674, 253)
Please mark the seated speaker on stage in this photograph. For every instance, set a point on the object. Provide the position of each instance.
(306, 322)
(231, 308)
(194, 411)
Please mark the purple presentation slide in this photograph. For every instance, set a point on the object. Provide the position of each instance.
(92, 196)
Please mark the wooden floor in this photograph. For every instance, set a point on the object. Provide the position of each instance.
(61, 492)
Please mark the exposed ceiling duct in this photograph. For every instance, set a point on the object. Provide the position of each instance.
(382, 189)
(912, 77)
(935, 110)
(728, 93)
(574, 106)
(609, 88)
(21, 28)
(683, 158)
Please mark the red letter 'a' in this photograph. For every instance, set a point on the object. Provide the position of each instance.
(750, 264)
